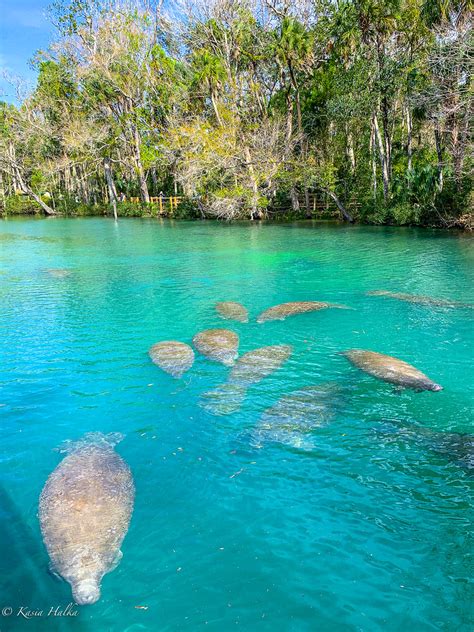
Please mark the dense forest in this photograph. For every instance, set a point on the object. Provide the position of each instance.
(248, 109)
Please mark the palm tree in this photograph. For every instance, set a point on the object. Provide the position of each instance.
(293, 48)
(208, 71)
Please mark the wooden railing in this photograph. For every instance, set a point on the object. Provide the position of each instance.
(318, 206)
(163, 201)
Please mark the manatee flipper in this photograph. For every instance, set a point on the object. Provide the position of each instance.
(54, 573)
(116, 561)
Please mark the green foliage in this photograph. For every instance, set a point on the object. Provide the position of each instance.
(20, 205)
(364, 103)
(187, 209)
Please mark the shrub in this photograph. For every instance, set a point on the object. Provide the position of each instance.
(21, 205)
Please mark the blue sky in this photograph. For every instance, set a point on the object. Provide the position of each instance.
(24, 28)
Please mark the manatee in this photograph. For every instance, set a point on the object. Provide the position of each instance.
(421, 300)
(391, 370)
(225, 399)
(254, 365)
(455, 447)
(280, 312)
(249, 369)
(59, 273)
(218, 344)
(84, 511)
(293, 418)
(172, 356)
(233, 311)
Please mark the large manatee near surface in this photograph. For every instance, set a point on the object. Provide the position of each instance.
(421, 300)
(233, 311)
(218, 344)
(172, 356)
(84, 511)
(292, 420)
(280, 312)
(249, 369)
(391, 370)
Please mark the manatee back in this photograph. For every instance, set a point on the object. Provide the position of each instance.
(85, 509)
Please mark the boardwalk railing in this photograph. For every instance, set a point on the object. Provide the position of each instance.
(317, 206)
(164, 202)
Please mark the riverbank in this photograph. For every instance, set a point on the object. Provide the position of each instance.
(20, 205)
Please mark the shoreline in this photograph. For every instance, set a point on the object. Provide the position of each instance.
(466, 230)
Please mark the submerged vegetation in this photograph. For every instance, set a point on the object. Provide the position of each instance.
(248, 109)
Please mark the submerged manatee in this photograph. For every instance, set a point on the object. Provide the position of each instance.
(293, 418)
(233, 311)
(391, 370)
(172, 356)
(455, 447)
(59, 273)
(421, 300)
(280, 312)
(225, 399)
(218, 344)
(249, 369)
(254, 365)
(84, 512)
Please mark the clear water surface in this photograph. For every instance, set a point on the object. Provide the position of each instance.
(368, 530)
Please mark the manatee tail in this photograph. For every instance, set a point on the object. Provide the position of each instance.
(95, 439)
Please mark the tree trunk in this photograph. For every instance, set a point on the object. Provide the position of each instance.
(373, 152)
(216, 109)
(439, 153)
(111, 186)
(456, 151)
(383, 158)
(386, 138)
(47, 209)
(145, 196)
(295, 203)
(350, 149)
(289, 117)
(307, 203)
(25, 188)
(2, 191)
(255, 214)
(15, 175)
(154, 179)
(409, 137)
(345, 214)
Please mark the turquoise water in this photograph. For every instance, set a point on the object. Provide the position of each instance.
(367, 530)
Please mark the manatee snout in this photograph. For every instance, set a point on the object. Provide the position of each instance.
(436, 387)
(86, 592)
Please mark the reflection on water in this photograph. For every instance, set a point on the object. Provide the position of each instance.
(365, 528)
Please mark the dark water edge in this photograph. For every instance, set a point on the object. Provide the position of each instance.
(296, 222)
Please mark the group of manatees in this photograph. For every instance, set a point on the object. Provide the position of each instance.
(301, 410)
(222, 345)
(87, 502)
